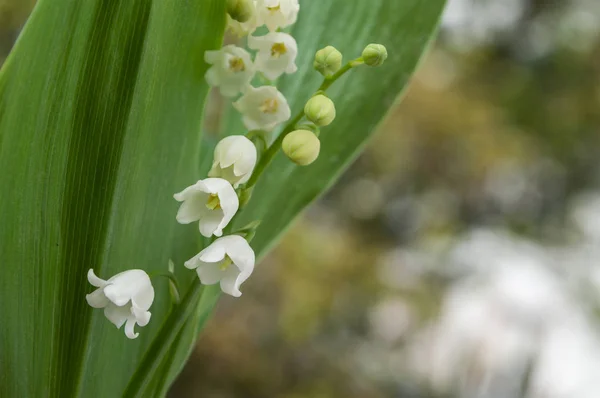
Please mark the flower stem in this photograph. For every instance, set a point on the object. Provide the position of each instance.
(172, 326)
(161, 344)
(270, 153)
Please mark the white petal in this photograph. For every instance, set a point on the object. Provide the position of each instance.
(227, 173)
(94, 280)
(274, 66)
(142, 317)
(233, 149)
(117, 315)
(192, 209)
(227, 197)
(97, 299)
(210, 273)
(213, 78)
(274, 19)
(210, 222)
(292, 68)
(251, 124)
(250, 106)
(194, 200)
(129, 328)
(231, 81)
(191, 191)
(259, 43)
(230, 284)
(239, 250)
(144, 297)
(290, 9)
(214, 253)
(127, 285)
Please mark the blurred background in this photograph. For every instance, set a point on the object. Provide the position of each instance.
(460, 255)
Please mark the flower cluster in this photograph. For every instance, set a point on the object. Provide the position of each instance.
(214, 201)
(233, 68)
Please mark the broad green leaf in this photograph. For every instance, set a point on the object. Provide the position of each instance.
(100, 107)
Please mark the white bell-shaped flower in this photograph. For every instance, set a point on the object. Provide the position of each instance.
(276, 54)
(126, 298)
(212, 201)
(234, 161)
(263, 108)
(277, 13)
(228, 260)
(232, 70)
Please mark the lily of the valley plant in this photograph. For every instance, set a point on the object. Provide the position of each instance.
(132, 199)
(214, 200)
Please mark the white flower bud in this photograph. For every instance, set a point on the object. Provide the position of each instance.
(126, 298)
(320, 110)
(212, 201)
(240, 10)
(328, 61)
(276, 54)
(232, 70)
(263, 108)
(277, 13)
(301, 146)
(234, 160)
(374, 54)
(228, 261)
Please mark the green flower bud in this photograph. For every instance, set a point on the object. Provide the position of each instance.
(301, 146)
(320, 110)
(240, 10)
(374, 54)
(328, 61)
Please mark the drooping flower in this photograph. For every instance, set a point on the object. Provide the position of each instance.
(126, 298)
(212, 201)
(263, 108)
(234, 160)
(276, 54)
(232, 70)
(228, 260)
(277, 13)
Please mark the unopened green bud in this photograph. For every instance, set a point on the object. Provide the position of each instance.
(240, 10)
(328, 61)
(374, 54)
(320, 110)
(302, 147)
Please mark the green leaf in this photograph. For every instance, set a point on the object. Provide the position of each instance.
(100, 107)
